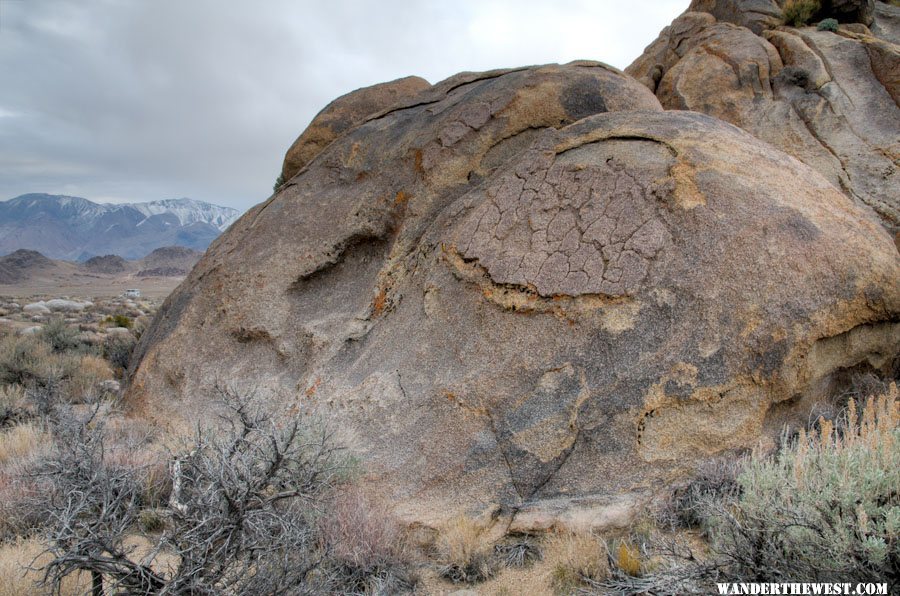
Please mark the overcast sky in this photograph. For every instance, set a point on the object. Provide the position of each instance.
(136, 100)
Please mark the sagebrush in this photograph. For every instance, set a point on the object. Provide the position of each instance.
(825, 508)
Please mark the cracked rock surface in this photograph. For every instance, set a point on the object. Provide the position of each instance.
(566, 227)
(534, 293)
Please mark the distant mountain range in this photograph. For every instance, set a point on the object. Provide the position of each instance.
(76, 229)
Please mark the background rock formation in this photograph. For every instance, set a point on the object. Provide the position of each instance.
(828, 99)
(535, 294)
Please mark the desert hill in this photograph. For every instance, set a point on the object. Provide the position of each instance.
(23, 265)
(27, 269)
(539, 296)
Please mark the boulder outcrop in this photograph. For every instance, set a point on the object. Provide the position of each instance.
(343, 114)
(535, 295)
(829, 99)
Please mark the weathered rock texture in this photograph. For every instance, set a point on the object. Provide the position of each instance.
(534, 293)
(828, 99)
(343, 114)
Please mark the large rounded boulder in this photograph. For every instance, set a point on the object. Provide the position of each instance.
(533, 293)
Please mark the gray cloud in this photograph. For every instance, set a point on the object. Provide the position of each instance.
(119, 100)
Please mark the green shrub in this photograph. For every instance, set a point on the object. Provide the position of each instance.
(117, 350)
(60, 336)
(826, 507)
(151, 521)
(279, 182)
(828, 25)
(798, 13)
(119, 321)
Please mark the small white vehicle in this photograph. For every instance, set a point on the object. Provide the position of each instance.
(132, 293)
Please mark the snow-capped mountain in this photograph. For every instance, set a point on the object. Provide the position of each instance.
(189, 211)
(73, 228)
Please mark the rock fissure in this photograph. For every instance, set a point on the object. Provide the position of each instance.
(445, 93)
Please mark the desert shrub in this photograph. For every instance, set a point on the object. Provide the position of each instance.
(91, 506)
(462, 553)
(48, 393)
(798, 13)
(82, 376)
(151, 474)
(49, 375)
(279, 182)
(716, 480)
(119, 320)
(574, 558)
(826, 507)
(151, 520)
(365, 545)
(140, 326)
(23, 360)
(18, 492)
(132, 444)
(117, 350)
(827, 25)
(518, 551)
(241, 518)
(60, 336)
(13, 406)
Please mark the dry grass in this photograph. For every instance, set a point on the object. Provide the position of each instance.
(85, 375)
(19, 446)
(462, 552)
(16, 493)
(361, 532)
(17, 580)
(144, 549)
(23, 442)
(366, 546)
(12, 397)
(13, 405)
(572, 557)
(798, 13)
(628, 559)
(23, 360)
